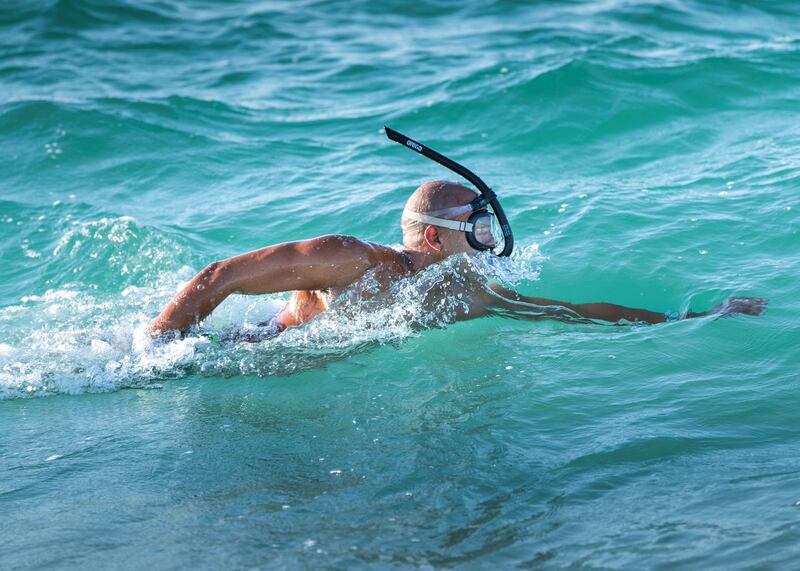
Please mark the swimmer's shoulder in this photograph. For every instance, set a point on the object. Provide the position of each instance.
(339, 260)
(370, 253)
(391, 258)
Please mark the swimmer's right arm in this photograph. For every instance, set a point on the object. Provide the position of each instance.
(536, 308)
(324, 262)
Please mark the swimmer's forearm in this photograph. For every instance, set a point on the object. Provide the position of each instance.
(193, 303)
(601, 311)
(616, 313)
(537, 308)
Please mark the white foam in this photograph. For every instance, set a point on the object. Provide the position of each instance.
(71, 341)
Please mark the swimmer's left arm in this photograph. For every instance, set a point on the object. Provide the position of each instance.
(319, 263)
(536, 308)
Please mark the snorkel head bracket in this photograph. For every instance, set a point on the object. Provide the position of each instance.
(486, 198)
(482, 200)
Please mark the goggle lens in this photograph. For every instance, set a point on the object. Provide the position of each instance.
(487, 231)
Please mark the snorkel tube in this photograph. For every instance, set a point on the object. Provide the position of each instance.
(487, 194)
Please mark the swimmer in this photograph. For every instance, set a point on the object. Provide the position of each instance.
(440, 219)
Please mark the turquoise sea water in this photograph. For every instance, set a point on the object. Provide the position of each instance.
(647, 155)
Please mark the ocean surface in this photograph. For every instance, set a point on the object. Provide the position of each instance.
(647, 154)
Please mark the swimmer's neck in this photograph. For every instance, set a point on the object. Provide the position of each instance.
(421, 259)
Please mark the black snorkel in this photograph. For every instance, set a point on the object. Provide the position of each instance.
(487, 196)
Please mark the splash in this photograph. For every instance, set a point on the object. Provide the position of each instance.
(72, 340)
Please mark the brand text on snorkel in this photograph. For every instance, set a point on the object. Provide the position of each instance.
(416, 146)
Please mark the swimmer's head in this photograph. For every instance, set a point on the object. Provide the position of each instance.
(433, 196)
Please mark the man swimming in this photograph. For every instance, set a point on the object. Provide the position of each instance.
(440, 220)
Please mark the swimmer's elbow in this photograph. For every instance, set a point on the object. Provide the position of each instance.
(211, 272)
(217, 278)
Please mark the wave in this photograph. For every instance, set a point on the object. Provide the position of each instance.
(66, 17)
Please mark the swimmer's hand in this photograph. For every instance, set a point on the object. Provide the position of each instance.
(739, 305)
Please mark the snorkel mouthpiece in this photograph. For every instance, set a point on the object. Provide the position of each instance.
(487, 196)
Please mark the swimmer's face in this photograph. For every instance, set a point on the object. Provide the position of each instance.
(454, 241)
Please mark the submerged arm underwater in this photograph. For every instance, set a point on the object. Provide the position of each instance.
(508, 301)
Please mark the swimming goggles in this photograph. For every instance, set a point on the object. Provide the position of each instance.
(480, 229)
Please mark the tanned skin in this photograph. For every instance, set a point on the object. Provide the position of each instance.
(334, 262)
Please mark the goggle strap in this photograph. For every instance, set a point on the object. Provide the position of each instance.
(459, 225)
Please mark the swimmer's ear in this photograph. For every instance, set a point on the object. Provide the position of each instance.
(432, 239)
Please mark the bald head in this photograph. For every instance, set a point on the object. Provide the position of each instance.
(430, 196)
